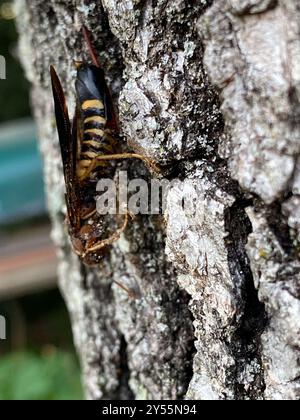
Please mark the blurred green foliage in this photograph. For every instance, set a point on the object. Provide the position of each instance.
(14, 97)
(50, 376)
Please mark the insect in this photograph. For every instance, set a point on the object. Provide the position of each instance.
(88, 147)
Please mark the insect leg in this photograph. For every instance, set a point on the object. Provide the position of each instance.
(101, 158)
(130, 292)
(111, 239)
(87, 37)
(146, 160)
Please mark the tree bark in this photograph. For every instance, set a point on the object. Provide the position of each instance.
(211, 88)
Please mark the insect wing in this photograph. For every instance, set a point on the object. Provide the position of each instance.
(68, 146)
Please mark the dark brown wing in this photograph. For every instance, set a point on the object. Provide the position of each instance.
(107, 97)
(68, 146)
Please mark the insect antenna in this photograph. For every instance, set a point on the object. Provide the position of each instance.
(87, 37)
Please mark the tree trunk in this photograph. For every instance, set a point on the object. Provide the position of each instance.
(212, 89)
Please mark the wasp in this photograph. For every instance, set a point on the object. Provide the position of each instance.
(89, 144)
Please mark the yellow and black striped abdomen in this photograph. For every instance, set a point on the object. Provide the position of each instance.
(97, 140)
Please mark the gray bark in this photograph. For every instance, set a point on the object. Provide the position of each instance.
(212, 89)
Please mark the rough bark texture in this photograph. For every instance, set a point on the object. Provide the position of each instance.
(211, 88)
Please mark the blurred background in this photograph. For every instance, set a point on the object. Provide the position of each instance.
(37, 359)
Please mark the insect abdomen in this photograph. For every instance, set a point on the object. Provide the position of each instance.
(96, 139)
(95, 110)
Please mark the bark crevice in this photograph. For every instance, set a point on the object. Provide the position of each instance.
(246, 343)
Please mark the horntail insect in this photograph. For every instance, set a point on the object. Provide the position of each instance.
(88, 147)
